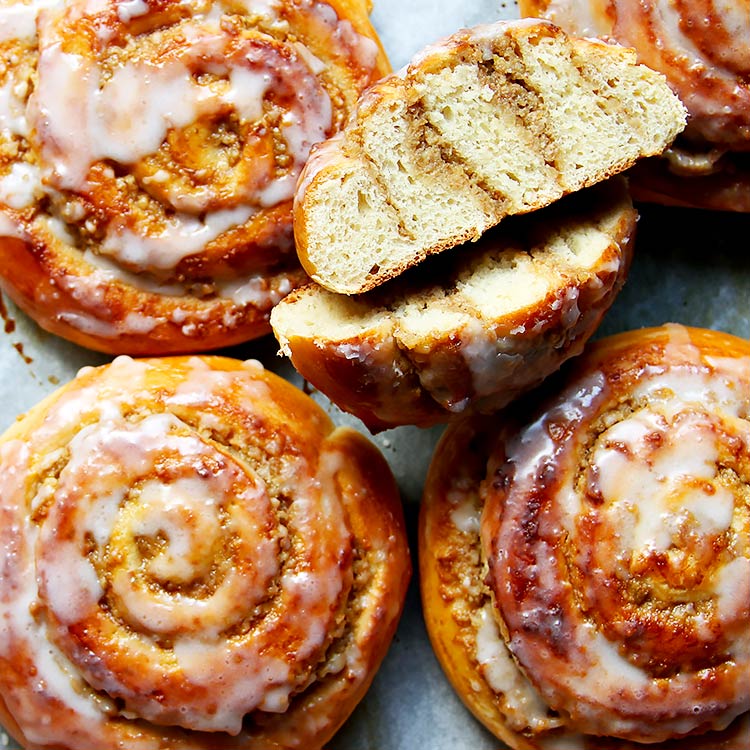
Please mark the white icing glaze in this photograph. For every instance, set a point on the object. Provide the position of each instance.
(201, 387)
(523, 707)
(126, 116)
(13, 108)
(466, 514)
(185, 511)
(254, 291)
(18, 19)
(486, 356)
(83, 115)
(668, 24)
(91, 289)
(365, 49)
(89, 324)
(82, 120)
(21, 186)
(105, 271)
(732, 588)
(180, 236)
(665, 489)
(268, 8)
(129, 9)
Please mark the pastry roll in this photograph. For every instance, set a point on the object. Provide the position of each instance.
(493, 121)
(585, 559)
(703, 48)
(194, 557)
(148, 157)
(470, 330)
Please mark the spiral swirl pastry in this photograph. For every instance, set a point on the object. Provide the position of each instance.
(703, 48)
(585, 560)
(149, 151)
(194, 557)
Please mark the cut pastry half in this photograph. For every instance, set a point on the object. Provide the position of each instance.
(472, 329)
(585, 556)
(493, 121)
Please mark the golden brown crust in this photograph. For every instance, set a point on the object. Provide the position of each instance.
(125, 319)
(703, 48)
(518, 551)
(151, 219)
(209, 562)
(461, 334)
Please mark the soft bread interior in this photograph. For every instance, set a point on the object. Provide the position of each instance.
(506, 274)
(500, 121)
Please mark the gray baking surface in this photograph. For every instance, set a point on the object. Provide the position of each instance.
(690, 267)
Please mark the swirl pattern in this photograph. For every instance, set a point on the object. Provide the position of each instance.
(150, 153)
(615, 530)
(194, 556)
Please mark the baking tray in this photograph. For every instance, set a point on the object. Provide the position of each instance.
(690, 267)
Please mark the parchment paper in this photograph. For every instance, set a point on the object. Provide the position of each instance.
(690, 267)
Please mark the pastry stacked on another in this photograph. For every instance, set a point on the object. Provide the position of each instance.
(585, 557)
(194, 558)
(492, 122)
(149, 154)
(467, 331)
(703, 48)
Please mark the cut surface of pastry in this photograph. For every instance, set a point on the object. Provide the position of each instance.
(472, 329)
(493, 121)
(585, 557)
(703, 48)
(194, 557)
(149, 154)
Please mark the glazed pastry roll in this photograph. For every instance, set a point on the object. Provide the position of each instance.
(149, 154)
(194, 557)
(585, 559)
(703, 48)
(493, 121)
(470, 330)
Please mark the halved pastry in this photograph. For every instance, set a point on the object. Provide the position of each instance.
(194, 557)
(585, 558)
(703, 48)
(493, 121)
(148, 157)
(470, 330)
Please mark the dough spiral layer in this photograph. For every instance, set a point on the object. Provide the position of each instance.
(149, 153)
(193, 558)
(703, 48)
(586, 562)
